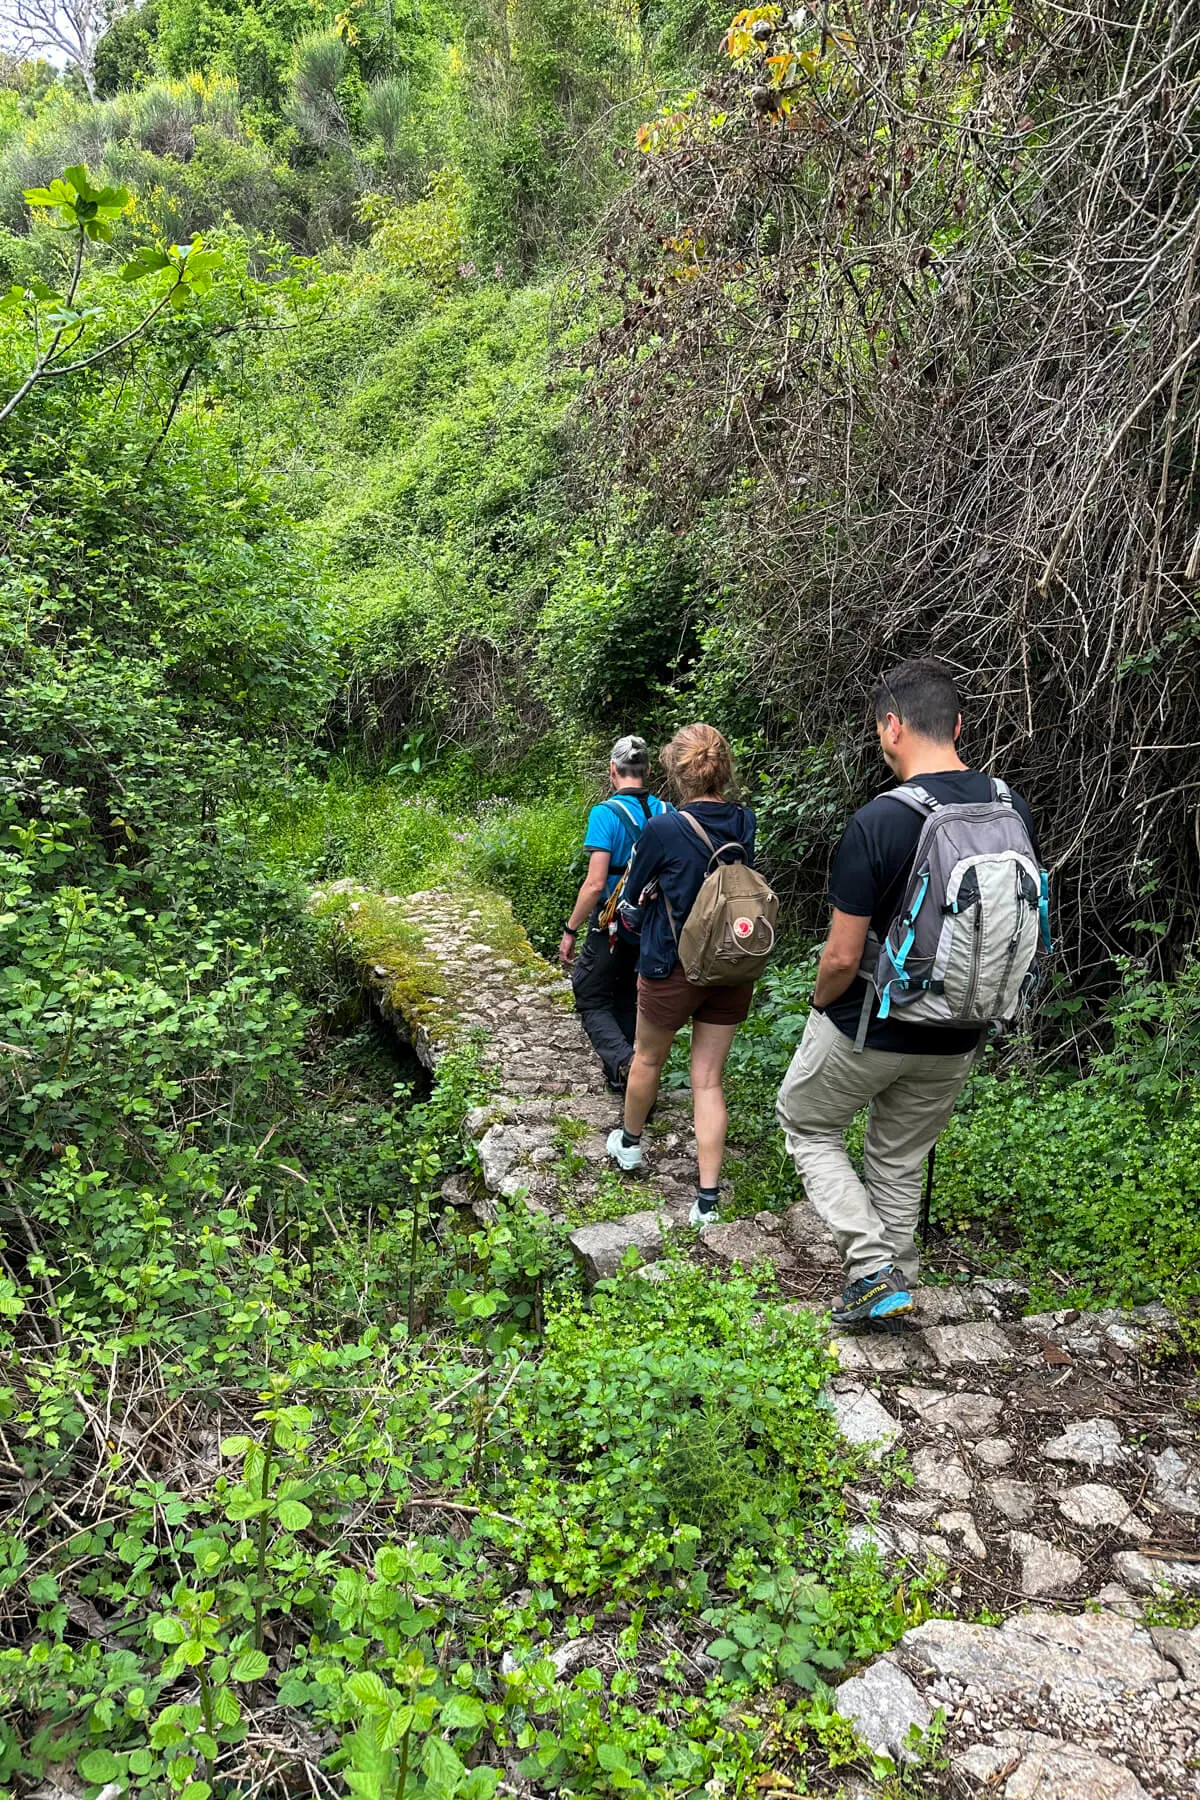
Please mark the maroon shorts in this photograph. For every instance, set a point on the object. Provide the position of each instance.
(671, 1003)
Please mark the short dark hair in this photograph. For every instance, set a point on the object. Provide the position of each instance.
(923, 695)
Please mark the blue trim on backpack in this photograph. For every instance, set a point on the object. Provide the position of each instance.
(1044, 911)
(899, 958)
(634, 828)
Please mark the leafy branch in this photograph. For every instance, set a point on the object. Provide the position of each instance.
(88, 213)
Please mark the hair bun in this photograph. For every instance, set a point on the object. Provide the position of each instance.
(697, 761)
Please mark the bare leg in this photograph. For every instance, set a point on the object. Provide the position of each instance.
(710, 1047)
(649, 1058)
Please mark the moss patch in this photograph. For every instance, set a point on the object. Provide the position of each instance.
(390, 953)
(498, 928)
(391, 958)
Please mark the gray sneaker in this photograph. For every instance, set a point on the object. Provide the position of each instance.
(626, 1156)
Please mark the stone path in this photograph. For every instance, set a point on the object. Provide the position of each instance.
(1052, 1457)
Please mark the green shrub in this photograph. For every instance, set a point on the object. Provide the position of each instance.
(617, 636)
(533, 853)
(637, 1399)
(1091, 1183)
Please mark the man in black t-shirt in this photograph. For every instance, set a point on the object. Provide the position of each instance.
(908, 1075)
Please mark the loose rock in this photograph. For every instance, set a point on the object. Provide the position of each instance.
(741, 1241)
(601, 1249)
(1079, 1659)
(1180, 1647)
(942, 1475)
(885, 1706)
(880, 1355)
(987, 1762)
(1092, 1504)
(1146, 1574)
(500, 1150)
(1096, 1443)
(973, 1415)
(979, 1342)
(1044, 1568)
(943, 1305)
(961, 1526)
(862, 1420)
(1058, 1771)
(1176, 1483)
(1016, 1500)
(808, 1233)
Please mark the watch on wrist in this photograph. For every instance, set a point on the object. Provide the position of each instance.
(570, 931)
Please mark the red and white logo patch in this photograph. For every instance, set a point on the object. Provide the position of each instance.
(742, 928)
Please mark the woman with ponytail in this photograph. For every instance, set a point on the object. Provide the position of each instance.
(665, 876)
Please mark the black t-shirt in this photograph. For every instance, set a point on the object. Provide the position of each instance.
(870, 871)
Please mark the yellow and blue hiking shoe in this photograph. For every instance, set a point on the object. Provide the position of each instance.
(879, 1296)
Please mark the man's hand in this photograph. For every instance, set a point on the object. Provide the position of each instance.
(841, 957)
(566, 949)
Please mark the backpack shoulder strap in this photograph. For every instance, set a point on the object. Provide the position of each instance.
(1001, 791)
(698, 828)
(616, 805)
(913, 795)
(636, 826)
(716, 851)
(609, 909)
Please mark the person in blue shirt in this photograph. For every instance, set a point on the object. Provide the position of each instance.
(668, 870)
(604, 975)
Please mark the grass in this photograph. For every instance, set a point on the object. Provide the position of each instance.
(394, 836)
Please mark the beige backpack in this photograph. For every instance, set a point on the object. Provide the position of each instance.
(730, 931)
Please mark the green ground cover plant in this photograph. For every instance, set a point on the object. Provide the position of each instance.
(1091, 1175)
(587, 1450)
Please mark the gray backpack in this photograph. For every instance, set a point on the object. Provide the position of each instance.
(974, 913)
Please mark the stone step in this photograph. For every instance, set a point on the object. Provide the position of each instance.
(1117, 1716)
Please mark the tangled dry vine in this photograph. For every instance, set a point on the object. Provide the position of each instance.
(929, 280)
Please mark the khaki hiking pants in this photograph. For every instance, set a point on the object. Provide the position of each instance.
(909, 1100)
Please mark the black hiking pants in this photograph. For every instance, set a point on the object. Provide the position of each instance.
(605, 983)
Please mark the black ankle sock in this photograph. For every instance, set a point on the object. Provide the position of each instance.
(710, 1196)
(629, 1138)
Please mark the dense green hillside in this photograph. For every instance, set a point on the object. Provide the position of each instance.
(396, 403)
